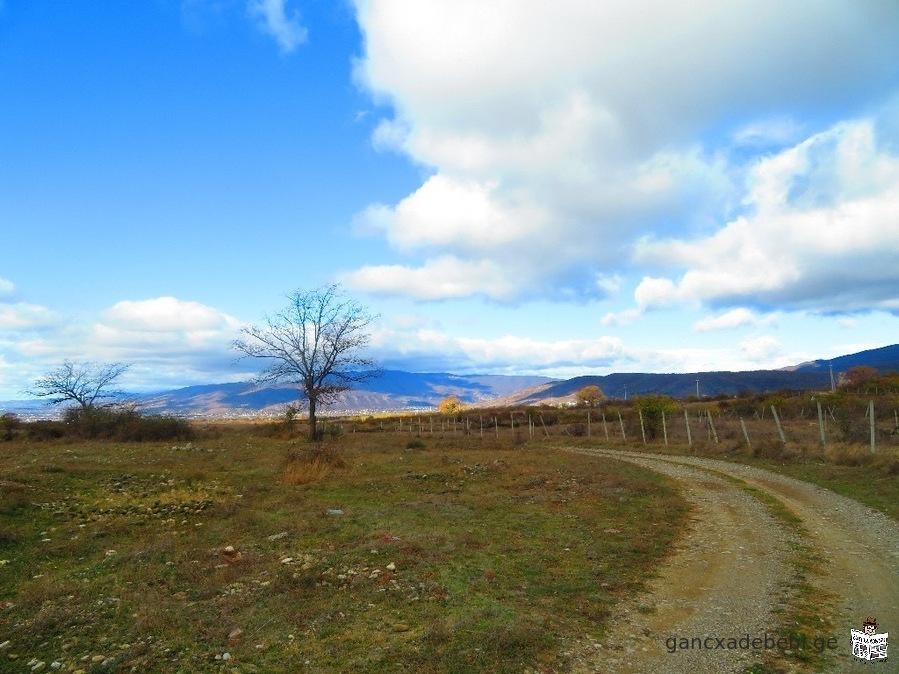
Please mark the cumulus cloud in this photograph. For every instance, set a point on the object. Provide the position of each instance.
(761, 350)
(560, 134)
(433, 349)
(735, 318)
(821, 232)
(273, 18)
(440, 278)
(24, 317)
(165, 314)
(166, 321)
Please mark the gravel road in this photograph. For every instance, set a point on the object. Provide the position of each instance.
(727, 577)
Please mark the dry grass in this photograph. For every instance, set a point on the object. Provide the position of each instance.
(298, 471)
(456, 554)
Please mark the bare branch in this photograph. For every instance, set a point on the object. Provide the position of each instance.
(84, 383)
(314, 342)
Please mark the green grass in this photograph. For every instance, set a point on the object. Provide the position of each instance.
(875, 486)
(465, 556)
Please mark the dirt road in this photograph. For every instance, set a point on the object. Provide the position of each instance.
(716, 605)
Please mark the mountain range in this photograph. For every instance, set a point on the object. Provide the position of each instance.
(396, 390)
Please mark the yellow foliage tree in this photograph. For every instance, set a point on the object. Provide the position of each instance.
(450, 405)
(590, 396)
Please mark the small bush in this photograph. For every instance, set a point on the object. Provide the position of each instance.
(415, 444)
(9, 422)
(42, 431)
(125, 425)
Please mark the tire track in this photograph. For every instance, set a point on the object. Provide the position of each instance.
(728, 573)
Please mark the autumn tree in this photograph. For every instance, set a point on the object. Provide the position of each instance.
(450, 405)
(590, 396)
(858, 376)
(315, 342)
(89, 385)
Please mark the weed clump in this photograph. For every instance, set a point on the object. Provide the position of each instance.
(124, 425)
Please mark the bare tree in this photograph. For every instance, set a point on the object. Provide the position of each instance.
(314, 342)
(85, 383)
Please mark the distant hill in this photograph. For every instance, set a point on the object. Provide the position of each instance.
(813, 375)
(396, 390)
(391, 391)
(885, 359)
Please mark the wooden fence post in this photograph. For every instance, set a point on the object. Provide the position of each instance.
(708, 414)
(871, 417)
(821, 426)
(621, 421)
(642, 428)
(687, 422)
(605, 426)
(745, 433)
(665, 428)
(780, 430)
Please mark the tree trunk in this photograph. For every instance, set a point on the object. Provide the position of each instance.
(313, 434)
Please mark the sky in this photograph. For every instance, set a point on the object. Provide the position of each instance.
(512, 186)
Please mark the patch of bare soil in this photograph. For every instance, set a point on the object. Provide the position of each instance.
(728, 577)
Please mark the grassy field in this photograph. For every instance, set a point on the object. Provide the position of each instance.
(241, 552)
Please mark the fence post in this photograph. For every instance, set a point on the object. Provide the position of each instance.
(821, 426)
(687, 422)
(708, 414)
(543, 423)
(780, 429)
(665, 428)
(745, 433)
(871, 417)
(496, 426)
(621, 421)
(642, 428)
(605, 426)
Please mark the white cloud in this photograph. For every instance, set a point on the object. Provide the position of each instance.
(439, 278)
(273, 18)
(21, 317)
(821, 233)
(164, 323)
(507, 353)
(761, 350)
(561, 133)
(621, 318)
(735, 318)
(165, 314)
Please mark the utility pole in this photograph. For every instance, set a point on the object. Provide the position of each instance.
(832, 385)
(697, 388)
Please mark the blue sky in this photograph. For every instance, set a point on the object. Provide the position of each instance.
(515, 187)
